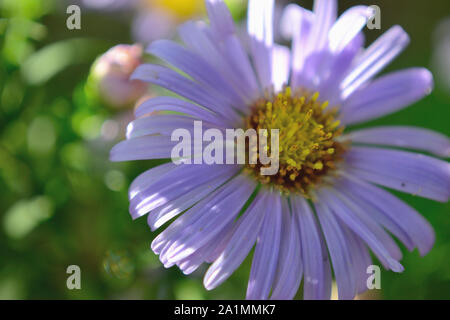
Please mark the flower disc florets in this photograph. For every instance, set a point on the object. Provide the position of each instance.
(308, 148)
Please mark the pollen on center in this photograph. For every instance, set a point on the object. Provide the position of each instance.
(308, 148)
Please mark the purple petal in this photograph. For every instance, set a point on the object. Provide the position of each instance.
(260, 21)
(404, 171)
(260, 31)
(315, 261)
(339, 251)
(334, 69)
(148, 177)
(290, 269)
(143, 148)
(378, 217)
(349, 24)
(240, 244)
(163, 125)
(318, 66)
(317, 57)
(196, 67)
(228, 57)
(418, 230)
(213, 204)
(325, 16)
(177, 182)
(281, 67)
(239, 60)
(222, 241)
(375, 58)
(164, 213)
(297, 22)
(404, 137)
(360, 259)
(191, 263)
(294, 17)
(220, 18)
(265, 257)
(211, 219)
(363, 217)
(387, 94)
(176, 105)
(175, 82)
(353, 216)
(162, 243)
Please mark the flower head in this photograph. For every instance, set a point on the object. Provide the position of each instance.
(325, 207)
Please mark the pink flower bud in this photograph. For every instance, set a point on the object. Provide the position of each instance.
(111, 75)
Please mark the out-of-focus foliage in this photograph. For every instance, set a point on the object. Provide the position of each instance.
(62, 202)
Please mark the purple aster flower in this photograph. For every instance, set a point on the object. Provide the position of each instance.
(326, 207)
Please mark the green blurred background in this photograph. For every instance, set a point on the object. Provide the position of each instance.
(63, 203)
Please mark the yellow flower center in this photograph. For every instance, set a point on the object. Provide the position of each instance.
(308, 129)
(182, 9)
